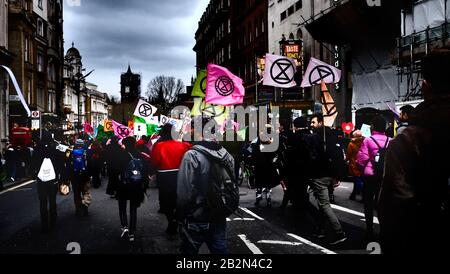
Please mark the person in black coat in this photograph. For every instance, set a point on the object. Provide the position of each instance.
(113, 154)
(47, 190)
(131, 191)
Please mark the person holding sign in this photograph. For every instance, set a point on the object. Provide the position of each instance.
(46, 163)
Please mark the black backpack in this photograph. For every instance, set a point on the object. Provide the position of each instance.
(378, 163)
(135, 171)
(222, 195)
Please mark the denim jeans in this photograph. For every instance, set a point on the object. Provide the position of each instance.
(195, 234)
(320, 188)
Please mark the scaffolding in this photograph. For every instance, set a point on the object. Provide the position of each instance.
(411, 49)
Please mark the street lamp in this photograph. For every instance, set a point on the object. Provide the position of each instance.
(77, 79)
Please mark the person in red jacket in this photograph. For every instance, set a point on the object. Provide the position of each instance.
(166, 158)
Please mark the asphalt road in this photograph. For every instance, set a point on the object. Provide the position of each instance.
(254, 230)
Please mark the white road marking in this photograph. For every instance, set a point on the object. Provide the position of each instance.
(23, 189)
(344, 187)
(375, 219)
(240, 219)
(19, 186)
(278, 242)
(251, 213)
(253, 248)
(322, 249)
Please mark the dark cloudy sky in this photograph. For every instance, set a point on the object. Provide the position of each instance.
(154, 36)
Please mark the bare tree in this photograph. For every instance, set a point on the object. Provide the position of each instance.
(164, 90)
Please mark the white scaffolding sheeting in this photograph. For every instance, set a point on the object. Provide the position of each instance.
(375, 89)
(426, 14)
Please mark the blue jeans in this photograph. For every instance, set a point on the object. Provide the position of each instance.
(195, 234)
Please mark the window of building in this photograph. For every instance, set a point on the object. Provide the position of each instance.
(51, 72)
(40, 4)
(26, 5)
(290, 10)
(229, 25)
(51, 101)
(40, 27)
(291, 36)
(27, 49)
(40, 62)
(299, 34)
(251, 70)
(50, 38)
(29, 92)
(298, 5)
(229, 51)
(273, 24)
(283, 16)
(40, 97)
(263, 26)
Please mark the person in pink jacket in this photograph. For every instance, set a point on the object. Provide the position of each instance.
(365, 159)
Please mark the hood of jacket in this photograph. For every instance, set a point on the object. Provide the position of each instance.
(212, 150)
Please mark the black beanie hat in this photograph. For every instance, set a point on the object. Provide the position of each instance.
(300, 122)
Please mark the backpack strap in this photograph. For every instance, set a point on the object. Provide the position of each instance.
(373, 139)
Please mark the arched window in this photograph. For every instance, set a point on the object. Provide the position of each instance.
(299, 34)
(291, 36)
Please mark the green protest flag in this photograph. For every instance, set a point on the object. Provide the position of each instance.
(139, 120)
(199, 88)
(102, 135)
(151, 128)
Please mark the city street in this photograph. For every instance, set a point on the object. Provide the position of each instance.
(259, 230)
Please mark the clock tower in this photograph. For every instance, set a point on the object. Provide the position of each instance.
(130, 86)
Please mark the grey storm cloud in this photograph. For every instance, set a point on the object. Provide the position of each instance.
(155, 37)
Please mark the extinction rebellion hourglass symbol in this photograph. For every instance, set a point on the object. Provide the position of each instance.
(224, 86)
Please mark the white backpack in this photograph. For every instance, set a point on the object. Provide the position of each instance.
(47, 172)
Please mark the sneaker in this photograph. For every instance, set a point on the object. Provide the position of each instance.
(131, 238)
(124, 233)
(339, 238)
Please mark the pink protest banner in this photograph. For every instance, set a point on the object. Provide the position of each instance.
(223, 87)
(121, 131)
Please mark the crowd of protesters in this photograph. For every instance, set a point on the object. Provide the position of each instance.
(400, 179)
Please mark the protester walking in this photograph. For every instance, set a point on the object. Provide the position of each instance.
(132, 187)
(370, 159)
(166, 157)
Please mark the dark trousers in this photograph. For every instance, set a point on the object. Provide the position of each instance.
(47, 200)
(113, 181)
(96, 181)
(371, 189)
(167, 182)
(195, 234)
(320, 188)
(81, 194)
(133, 214)
(297, 193)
